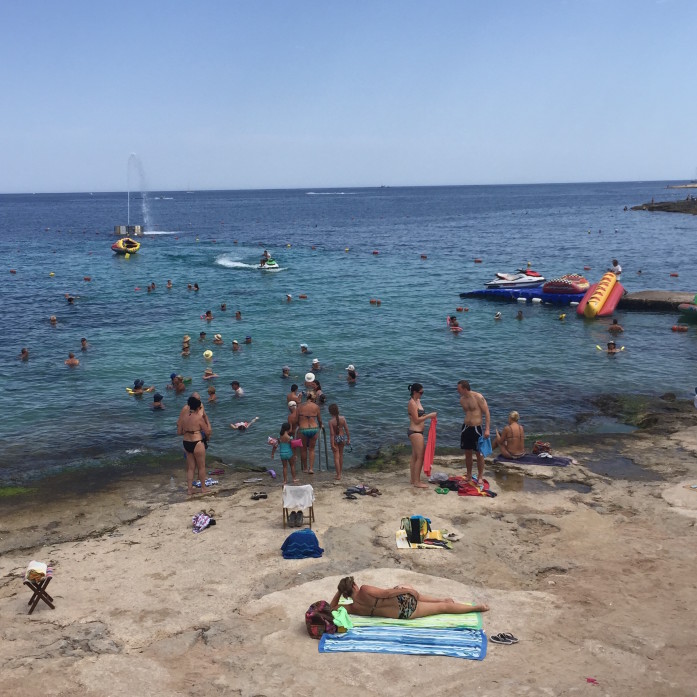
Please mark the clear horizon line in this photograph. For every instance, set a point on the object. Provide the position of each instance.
(333, 188)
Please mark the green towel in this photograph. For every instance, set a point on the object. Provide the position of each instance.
(470, 620)
(342, 618)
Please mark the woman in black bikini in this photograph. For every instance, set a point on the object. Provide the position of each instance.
(399, 603)
(417, 417)
(192, 424)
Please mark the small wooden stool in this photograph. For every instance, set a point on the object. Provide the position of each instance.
(40, 593)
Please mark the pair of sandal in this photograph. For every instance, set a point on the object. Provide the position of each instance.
(503, 638)
(295, 519)
(259, 495)
(442, 490)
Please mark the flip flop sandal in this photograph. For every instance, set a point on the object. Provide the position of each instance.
(500, 639)
(440, 490)
(216, 472)
(262, 495)
(510, 637)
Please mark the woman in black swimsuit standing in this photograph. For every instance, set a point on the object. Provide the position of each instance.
(192, 424)
(417, 417)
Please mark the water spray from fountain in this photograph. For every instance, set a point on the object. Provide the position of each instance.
(135, 167)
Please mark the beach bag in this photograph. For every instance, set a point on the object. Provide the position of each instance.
(540, 446)
(416, 527)
(319, 620)
(484, 446)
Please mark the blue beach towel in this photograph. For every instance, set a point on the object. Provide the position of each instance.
(457, 643)
(301, 544)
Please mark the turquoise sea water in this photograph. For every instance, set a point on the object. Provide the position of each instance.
(545, 368)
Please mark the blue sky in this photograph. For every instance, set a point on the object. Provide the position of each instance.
(275, 94)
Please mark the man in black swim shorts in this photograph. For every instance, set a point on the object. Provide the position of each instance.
(477, 420)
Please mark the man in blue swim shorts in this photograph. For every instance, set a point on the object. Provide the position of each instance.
(476, 418)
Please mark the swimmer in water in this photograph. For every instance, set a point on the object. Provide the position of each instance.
(72, 361)
(24, 355)
(519, 315)
(612, 348)
(243, 425)
(285, 371)
(53, 320)
(615, 328)
(209, 374)
(83, 344)
(169, 283)
(157, 402)
(212, 397)
(238, 315)
(218, 339)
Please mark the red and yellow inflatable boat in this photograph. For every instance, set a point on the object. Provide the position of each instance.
(125, 246)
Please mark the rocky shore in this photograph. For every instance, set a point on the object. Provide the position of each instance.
(682, 206)
(592, 566)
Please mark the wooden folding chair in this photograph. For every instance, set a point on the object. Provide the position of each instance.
(299, 498)
(39, 591)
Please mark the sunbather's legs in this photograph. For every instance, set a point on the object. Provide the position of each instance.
(426, 609)
(200, 455)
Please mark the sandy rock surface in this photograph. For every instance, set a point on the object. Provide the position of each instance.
(595, 575)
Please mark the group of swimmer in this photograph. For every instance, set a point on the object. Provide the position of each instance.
(298, 433)
(477, 424)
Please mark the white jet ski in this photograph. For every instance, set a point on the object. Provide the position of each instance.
(522, 278)
(270, 265)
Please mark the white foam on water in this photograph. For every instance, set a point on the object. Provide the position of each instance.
(135, 451)
(163, 232)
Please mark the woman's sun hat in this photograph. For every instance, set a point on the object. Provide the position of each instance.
(309, 377)
(350, 366)
(218, 336)
(315, 360)
(208, 354)
(234, 341)
(186, 338)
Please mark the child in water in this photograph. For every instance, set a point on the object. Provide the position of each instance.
(212, 397)
(286, 453)
(339, 436)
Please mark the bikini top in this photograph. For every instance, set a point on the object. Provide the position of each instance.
(420, 412)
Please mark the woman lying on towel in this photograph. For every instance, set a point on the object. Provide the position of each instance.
(511, 441)
(400, 602)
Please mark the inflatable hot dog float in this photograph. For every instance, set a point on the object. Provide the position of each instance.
(602, 297)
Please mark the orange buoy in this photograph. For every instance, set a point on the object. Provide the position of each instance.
(459, 309)
(586, 268)
(378, 302)
(679, 327)
(375, 251)
(13, 270)
(86, 278)
(673, 275)
(477, 261)
(302, 296)
(424, 256)
(136, 288)
(373, 301)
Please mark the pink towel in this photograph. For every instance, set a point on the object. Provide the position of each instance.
(430, 448)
